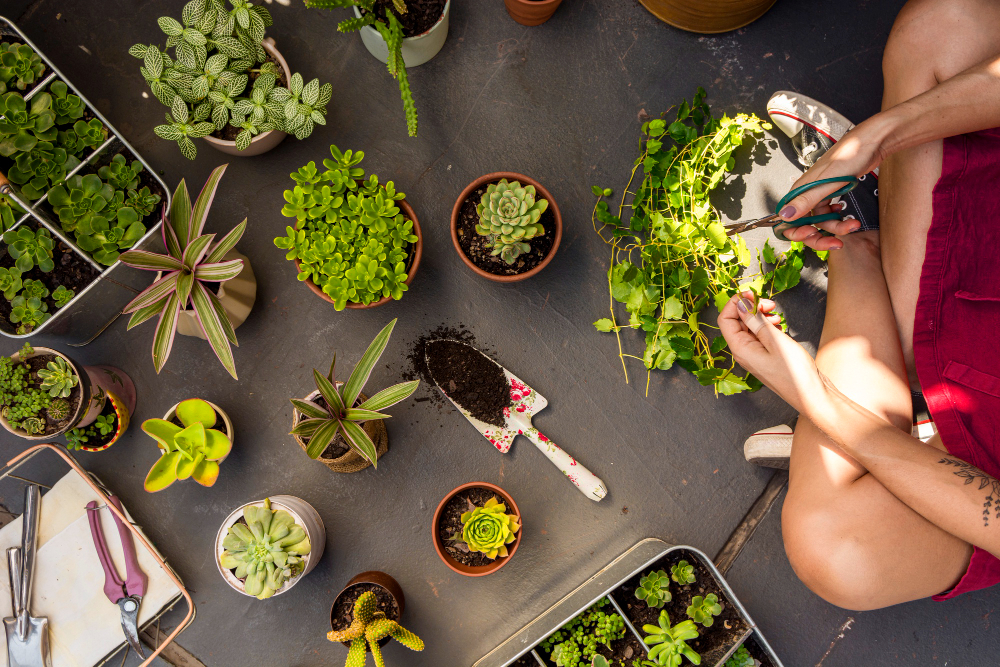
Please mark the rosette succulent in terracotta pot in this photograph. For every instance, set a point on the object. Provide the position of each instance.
(476, 529)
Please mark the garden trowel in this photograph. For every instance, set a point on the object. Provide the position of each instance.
(27, 636)
(525, 402)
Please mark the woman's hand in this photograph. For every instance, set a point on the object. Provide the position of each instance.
(759, 346)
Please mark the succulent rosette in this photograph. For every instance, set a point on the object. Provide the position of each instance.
(489, 529)
(508, 216)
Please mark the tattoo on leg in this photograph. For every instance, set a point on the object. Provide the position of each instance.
(971, 474)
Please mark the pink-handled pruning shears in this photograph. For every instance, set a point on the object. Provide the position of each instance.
(126, 594)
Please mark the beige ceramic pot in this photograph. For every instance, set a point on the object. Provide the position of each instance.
(84, 390)
(237, 296)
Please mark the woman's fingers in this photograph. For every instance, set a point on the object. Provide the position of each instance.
(808, 200)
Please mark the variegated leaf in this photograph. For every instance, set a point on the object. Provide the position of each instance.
(208, 318)
(150, 261)
(154, 294)
(227, 243)
(166, 329)
(390, 396)
(361, 372)
(199, 214)
(359, 441)
(219, 272)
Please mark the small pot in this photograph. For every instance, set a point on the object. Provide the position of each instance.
(417, 49)
(304, 514)
(264, 141)
(704, 16)
(418, 249)
(123, 414)
(230, 431)
(383, 581)
(456, 211)
(237, 297)
(82, 407)
(531, 12)
(481, 570)
(350, 461)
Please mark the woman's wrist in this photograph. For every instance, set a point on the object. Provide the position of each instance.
(885, 131)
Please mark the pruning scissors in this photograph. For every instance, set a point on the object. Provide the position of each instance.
(126, 594)
(779, 226)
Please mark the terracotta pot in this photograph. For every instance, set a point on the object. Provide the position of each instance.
(123, 415)
(481, 570)
(383, 581)
(82, 407)
(417, 49)
(456, 211)
(237, 297)
(418, 249)
(350, 461)
(531, 12)
(264, 141)
(707, 16)
(303, 513)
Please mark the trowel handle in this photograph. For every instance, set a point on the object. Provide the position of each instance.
(589, 484)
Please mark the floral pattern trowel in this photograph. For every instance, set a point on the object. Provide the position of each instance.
(525, 402)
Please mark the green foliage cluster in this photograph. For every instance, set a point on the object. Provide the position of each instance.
(682, 573)
(704, 609)
(28, 400)
(508, 217)
(576, 643)
(350, 237)
(489, 529)
(391, 30)
(669, 643)
(217, 49)
(20, 66)
(741, 658)
(654, 589)
(670, 256)
(102, 427)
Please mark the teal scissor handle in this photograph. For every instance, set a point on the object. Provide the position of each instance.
(850, 182)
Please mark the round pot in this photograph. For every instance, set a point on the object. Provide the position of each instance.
(123, 415)
(481, 570)
(456, 211)
(418, 249)
(81, 409)
(417, 49)
(237, 297)
(531, 12)
(264, 141)
(383, 581)
(303, 513)
(350, 461)
(707, 16)
(230, 431)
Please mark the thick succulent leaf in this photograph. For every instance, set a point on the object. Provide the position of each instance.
(206, 472)
(191, 439)
(166, 329)
(321, 438)
(217, 445)
(361, 372)
(199, 213)
(329, 393)
(150, 261)
(310, 409)
(227, 243)
(163, 473)
(162, 431)
(186, 466)
(196, 410)
(215, 333)
(359, 441)
(154, 294)
(229, 561)
(390, 396)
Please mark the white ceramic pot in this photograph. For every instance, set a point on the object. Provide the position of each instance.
(417, 49)
(264, 141)
(304, 514)
(237, 297)
(230, 431)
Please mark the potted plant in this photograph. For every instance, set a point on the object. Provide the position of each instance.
(190, 446)
(400, 34)
(348, 439)
(356, 243)
(226, 83)
(365, 615)
(192, 273)
(506, 226)
(476, 529)
(41, 394)
(266, 547)
(707, 16)
(532, 12)
(107, 428)
(20, 67)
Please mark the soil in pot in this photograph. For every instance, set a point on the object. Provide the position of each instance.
(74, 398)
(229, 133)
(450, 525)
(343, 609)
(470, 379)
(338, 446)
(478, 249)
(714, 641)
(94, 438)
(420, 16)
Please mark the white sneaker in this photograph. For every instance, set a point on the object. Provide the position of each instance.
(770, 448)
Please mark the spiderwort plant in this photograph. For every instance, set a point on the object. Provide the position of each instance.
(192, 260)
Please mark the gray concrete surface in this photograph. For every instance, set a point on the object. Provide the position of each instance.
(560, 102)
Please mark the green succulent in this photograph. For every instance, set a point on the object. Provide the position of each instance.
(599, 661)
(194, 449)
(58, 409)
(654, 589)
(105, 424)
(741, 658)
(265, 552)
(38, 169)
(68, 107)
(10, 282)
(21, 126)
(566, 654)
(20, 404)
(669, 644)
(34, 288)
(683, 573)
(142, 200)
(58, 378)
(30, 248)
(703, 609)
(9, 212)
(120, 174)
(489, 529)
(28, 313)
(61, 295)
(80, 200)
(83, 135)
(367, 629)
(20, 66)
(77, 438)
(508, 217)
(104, 239)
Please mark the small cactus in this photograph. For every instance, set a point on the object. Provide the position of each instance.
(367, 629)
(58, 409)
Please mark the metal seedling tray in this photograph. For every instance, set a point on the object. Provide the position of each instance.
(614, 574)
(83, 315)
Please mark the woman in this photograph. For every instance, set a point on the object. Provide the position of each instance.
(873, 516)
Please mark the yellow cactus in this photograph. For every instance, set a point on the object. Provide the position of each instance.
(367, 629)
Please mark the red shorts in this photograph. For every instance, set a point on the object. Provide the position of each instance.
(957, 328)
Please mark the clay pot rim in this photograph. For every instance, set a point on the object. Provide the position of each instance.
(510, 176)
(662, 15)
(538, 3)
(83, 381)
(481, 570)
(120, 409)
(418, 249)
(377, 578)
(444, 13)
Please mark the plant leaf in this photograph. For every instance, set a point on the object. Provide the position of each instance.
(199, 213)
(153, 294)
(310, 409)
(390, 396)
(329, 392)
(359, 441)
(196, 250)
(322, 438)
(166, 329)
(227, 243)
(220, 271)
(358, 414)
(215, 333)
(150, 261)
(361, 372)
(180, 219)
(163, 473)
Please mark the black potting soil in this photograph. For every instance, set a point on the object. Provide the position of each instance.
(420, 16)
(757, 653)
(338, 446)
(343, 610)
(478, 249)
(470, 379)
(713, 642)
(418, 360)
(94, 438)
(526, 660)
(229, 133)
(74, 398)
(450, 525)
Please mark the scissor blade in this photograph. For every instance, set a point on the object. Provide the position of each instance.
(130, 621)
(734, 228)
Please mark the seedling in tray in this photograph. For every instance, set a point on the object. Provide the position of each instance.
(654, 589)
(670, 643)
(577, 643)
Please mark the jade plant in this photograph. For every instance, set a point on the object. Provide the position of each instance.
(192, 450)
(704, 609)
(488, 529)
(369, 627)
(20, 66)
(58, 378)
(23, 401)
(682, 573)
(320, 425)
(654, 589)
(217, 49)
(350, 237)
(508, 218)
(383, 19)
(266, 551)
(23, 126)
(192, 260)
(669, 643)
(575, 644)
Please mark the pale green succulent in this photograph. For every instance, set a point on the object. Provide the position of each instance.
(508, 217)
(489, 529)
(58, 378)
(682, 573)
(654, 589)
(704, 608)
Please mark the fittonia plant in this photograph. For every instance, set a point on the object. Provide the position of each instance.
(192, 450)
(368, 627)
(192, 260)
(508, 218)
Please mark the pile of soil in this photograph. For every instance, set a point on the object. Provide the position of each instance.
(229, 133)
(418, 361)
(450, 525)
(342, 613)
(420, 16)
(478, 249)
(34, 382)
(470, 379)
(713, 642)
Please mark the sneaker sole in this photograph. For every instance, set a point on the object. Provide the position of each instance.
(790, 111)
(771, 448)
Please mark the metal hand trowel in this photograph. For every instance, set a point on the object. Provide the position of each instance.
(525, 402)
(27, 636)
